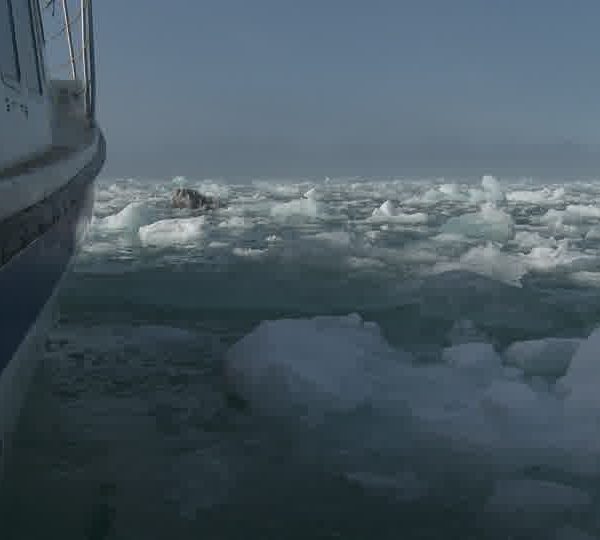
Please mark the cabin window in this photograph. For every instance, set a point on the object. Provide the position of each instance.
(31, 59)
(9, 60)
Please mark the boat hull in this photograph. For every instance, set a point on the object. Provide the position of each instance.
(49, 234)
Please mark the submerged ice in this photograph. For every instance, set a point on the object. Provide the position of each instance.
(532, 406)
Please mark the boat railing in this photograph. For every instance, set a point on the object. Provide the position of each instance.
(69, 47)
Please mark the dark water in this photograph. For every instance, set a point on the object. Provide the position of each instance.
(132, 429)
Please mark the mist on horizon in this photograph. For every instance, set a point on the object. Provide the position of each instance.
(243, 160)
(403, 89)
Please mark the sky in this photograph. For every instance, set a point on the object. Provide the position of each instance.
(329, 87)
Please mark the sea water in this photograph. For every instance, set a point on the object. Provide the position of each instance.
(337, 359)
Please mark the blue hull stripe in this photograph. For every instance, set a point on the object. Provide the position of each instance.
(28, 279)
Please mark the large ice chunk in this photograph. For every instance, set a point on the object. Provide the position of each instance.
(489, 223)
(300, 208)
(492, 189)
(543, 196)
(325, 363)
(529, 240)
(491, 261)
(173, 231)
(593, 233)
(130, 218)
(544, 357)
(388, 211)
(583, 212)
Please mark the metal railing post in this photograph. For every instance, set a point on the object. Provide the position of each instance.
(92, 61)
(70, 39)
(84, 52)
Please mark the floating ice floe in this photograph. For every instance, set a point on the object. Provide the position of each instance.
(249, 253)
(490, 261)
(588, 279)
(545, 357)
(491, 191)
(311, 194)
(559, 258)
(173, 231)
(468, 403)
(528, 240)
(131, 218)
(299, 208)
(489, 223)
(273, 239)
(215, 244)
(583, 212)
(593, 233)
(388, 211)
(452, 191)
(443, 192)
(234, 222)
(568, 222)
(327, 362)
(543, 196)
(335, 238)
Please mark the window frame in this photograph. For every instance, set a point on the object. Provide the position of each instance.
(33, 28)
(8, 79)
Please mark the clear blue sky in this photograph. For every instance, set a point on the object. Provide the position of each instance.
(310, 86)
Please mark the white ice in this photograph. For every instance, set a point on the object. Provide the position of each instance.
(593, 233)
(583, 212)
(132, 217)
(490, 223)
(169, 232)
(340, 215)
(494, 193)
(299, 208)
(527, 240)
(250, 253)
(488, 260)
(388, 211)
(542, 196)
